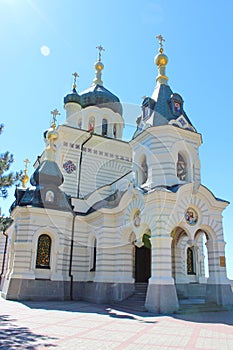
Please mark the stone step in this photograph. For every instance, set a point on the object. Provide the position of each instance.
(136, 301)
(190, 308)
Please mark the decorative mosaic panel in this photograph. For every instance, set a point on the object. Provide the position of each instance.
(69, 167)
(191, 216)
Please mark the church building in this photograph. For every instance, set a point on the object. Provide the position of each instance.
(103, 216)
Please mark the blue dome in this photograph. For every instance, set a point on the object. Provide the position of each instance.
(72, 97)
(96, 95)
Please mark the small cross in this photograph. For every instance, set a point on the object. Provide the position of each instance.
(54, 113)
(26, 161)
(100, 48)
(76, 75)
(160, 39)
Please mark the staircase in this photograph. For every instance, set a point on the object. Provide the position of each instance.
(191, 306)
(136, 301)
(192, 300)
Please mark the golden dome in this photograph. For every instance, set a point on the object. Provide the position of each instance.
(161, 59)
(24, 179)
(52, 135)
(99, 66)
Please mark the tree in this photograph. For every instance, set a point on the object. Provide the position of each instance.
(6, 180)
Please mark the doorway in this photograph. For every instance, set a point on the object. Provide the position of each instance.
(143, 261)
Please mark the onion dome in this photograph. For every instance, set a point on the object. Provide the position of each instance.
(73, 96)
(24, 177)
(97, 94)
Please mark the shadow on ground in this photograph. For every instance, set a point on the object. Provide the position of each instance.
(223, 317)
(16, 337)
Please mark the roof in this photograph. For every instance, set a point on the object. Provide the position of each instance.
(96, 95)
(164, 107)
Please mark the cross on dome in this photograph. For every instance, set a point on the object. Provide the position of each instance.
(100, 48)
(26, 161)
(54, 113)
(160, 39)
(75, 75)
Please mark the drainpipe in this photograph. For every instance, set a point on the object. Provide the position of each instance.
(80, 163)
(71, 257)
(73, 221)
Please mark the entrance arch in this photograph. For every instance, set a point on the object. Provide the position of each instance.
(201, 238)
(143, 261)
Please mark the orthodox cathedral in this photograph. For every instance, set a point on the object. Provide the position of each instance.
(103, 216)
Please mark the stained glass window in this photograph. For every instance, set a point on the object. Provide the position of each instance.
(190, 262)
(43, 252)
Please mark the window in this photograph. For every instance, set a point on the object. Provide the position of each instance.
(115, 130)
(49, 197)
(190, 262)
(144, 170)
(93, 256)
(43, 252)
(181, 168)
(91, 125)
(104, 127)
(80, 124)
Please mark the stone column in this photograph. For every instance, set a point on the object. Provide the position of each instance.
(161, 292)
(218, 285)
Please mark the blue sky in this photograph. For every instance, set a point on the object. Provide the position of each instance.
(198, 43)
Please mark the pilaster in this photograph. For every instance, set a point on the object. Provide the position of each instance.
(161, 292)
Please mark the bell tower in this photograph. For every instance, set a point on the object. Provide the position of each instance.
(165, 143)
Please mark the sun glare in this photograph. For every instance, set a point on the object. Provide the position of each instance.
(45, 50)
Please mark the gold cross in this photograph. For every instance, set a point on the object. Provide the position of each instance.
(160, 39)
(76, 75)
(26, 161)
(100, 48)
(54, 113)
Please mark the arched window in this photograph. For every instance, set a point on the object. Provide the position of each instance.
(80, 124)
(43, 252)
(93, 256)
(190, 262)
(115, 130)
(181, 168)
(91, 125)
(104, 127)
(144, 169)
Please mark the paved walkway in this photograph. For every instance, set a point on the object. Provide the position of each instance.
(84, 326)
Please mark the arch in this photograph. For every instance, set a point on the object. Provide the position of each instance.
(207, 231)
(56, 249)
(43, 255)
(190, 158)
(143, 260)
(199, 233)
(178, 253)
(201, 238)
